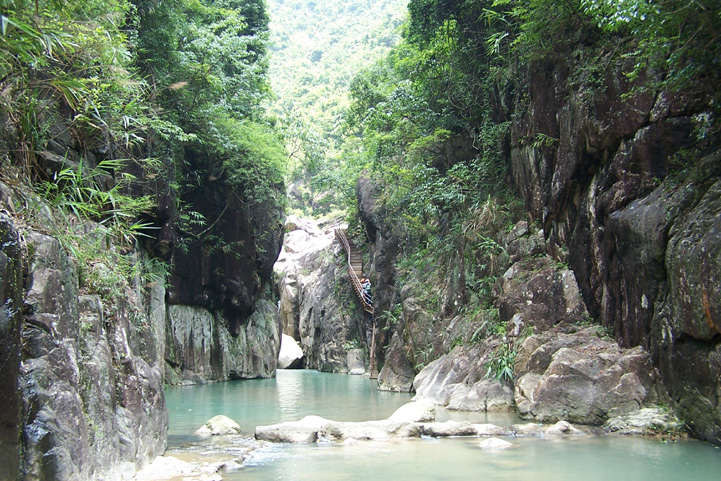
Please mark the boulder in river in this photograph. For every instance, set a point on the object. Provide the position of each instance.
(291, 355)
(580, 378)
(494, 443)
(297, 432)
(218, 426)
(415, 412)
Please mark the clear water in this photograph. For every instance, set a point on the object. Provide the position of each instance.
(294, 394)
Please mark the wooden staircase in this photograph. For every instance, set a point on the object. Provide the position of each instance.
(355, 268)
(355, 273)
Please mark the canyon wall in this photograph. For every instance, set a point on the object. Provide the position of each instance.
(623, 197)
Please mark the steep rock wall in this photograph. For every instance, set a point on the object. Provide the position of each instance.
(82, 376)
(317, 304)
(644, 245)
(92, 397)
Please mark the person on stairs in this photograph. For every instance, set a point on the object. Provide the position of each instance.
(366, 285)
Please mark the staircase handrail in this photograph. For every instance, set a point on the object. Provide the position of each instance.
(341, 235)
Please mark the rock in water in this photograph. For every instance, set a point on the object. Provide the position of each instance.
(291, 355)
(415, 412)
(218, 426)
(494, 443)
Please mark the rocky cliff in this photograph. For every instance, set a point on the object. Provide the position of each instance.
(317, 304)
(89, 341)
(625, 231)
(629, 197)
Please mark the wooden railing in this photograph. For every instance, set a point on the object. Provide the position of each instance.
(355, 269)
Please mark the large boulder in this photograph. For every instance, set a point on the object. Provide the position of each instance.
(534, 293)
(581, 378)
(291, 355)
(415, 412)
(459, 381)
(297, 432)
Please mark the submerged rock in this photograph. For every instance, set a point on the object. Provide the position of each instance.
(494, 443)
(218, 426)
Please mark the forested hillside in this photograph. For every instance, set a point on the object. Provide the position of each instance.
(316, 50)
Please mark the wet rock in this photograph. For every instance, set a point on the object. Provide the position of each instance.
(485, 430)
(370, 430)
(580, 378)
(416, 412)
(646, 422)
(218, 426)
(561, 428)
(291, 355)
(448, 429)
(170, 467)
(458, 381)
(494, 444)
(11, 300)
(297, 432)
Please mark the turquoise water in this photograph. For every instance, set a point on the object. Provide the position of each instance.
(294, 394)
(290, 396)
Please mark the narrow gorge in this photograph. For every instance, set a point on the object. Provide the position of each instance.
(534, 187)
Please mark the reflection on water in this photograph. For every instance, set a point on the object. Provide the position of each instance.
(295, 394)
(290, 395)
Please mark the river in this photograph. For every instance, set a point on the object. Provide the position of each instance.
(295, 394)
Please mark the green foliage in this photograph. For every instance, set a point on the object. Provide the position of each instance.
(80, 192)
(500, 366)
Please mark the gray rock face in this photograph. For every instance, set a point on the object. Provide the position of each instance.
(458, 381)
(581, 378)
(397, 373)
(201, 348)
(644, 247)
(11, 301)
(536, 294)
(318, 307)
(93, 407)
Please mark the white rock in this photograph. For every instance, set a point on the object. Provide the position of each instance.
(421, 411)
(494, 443)
(290, 355)
(218, 425)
